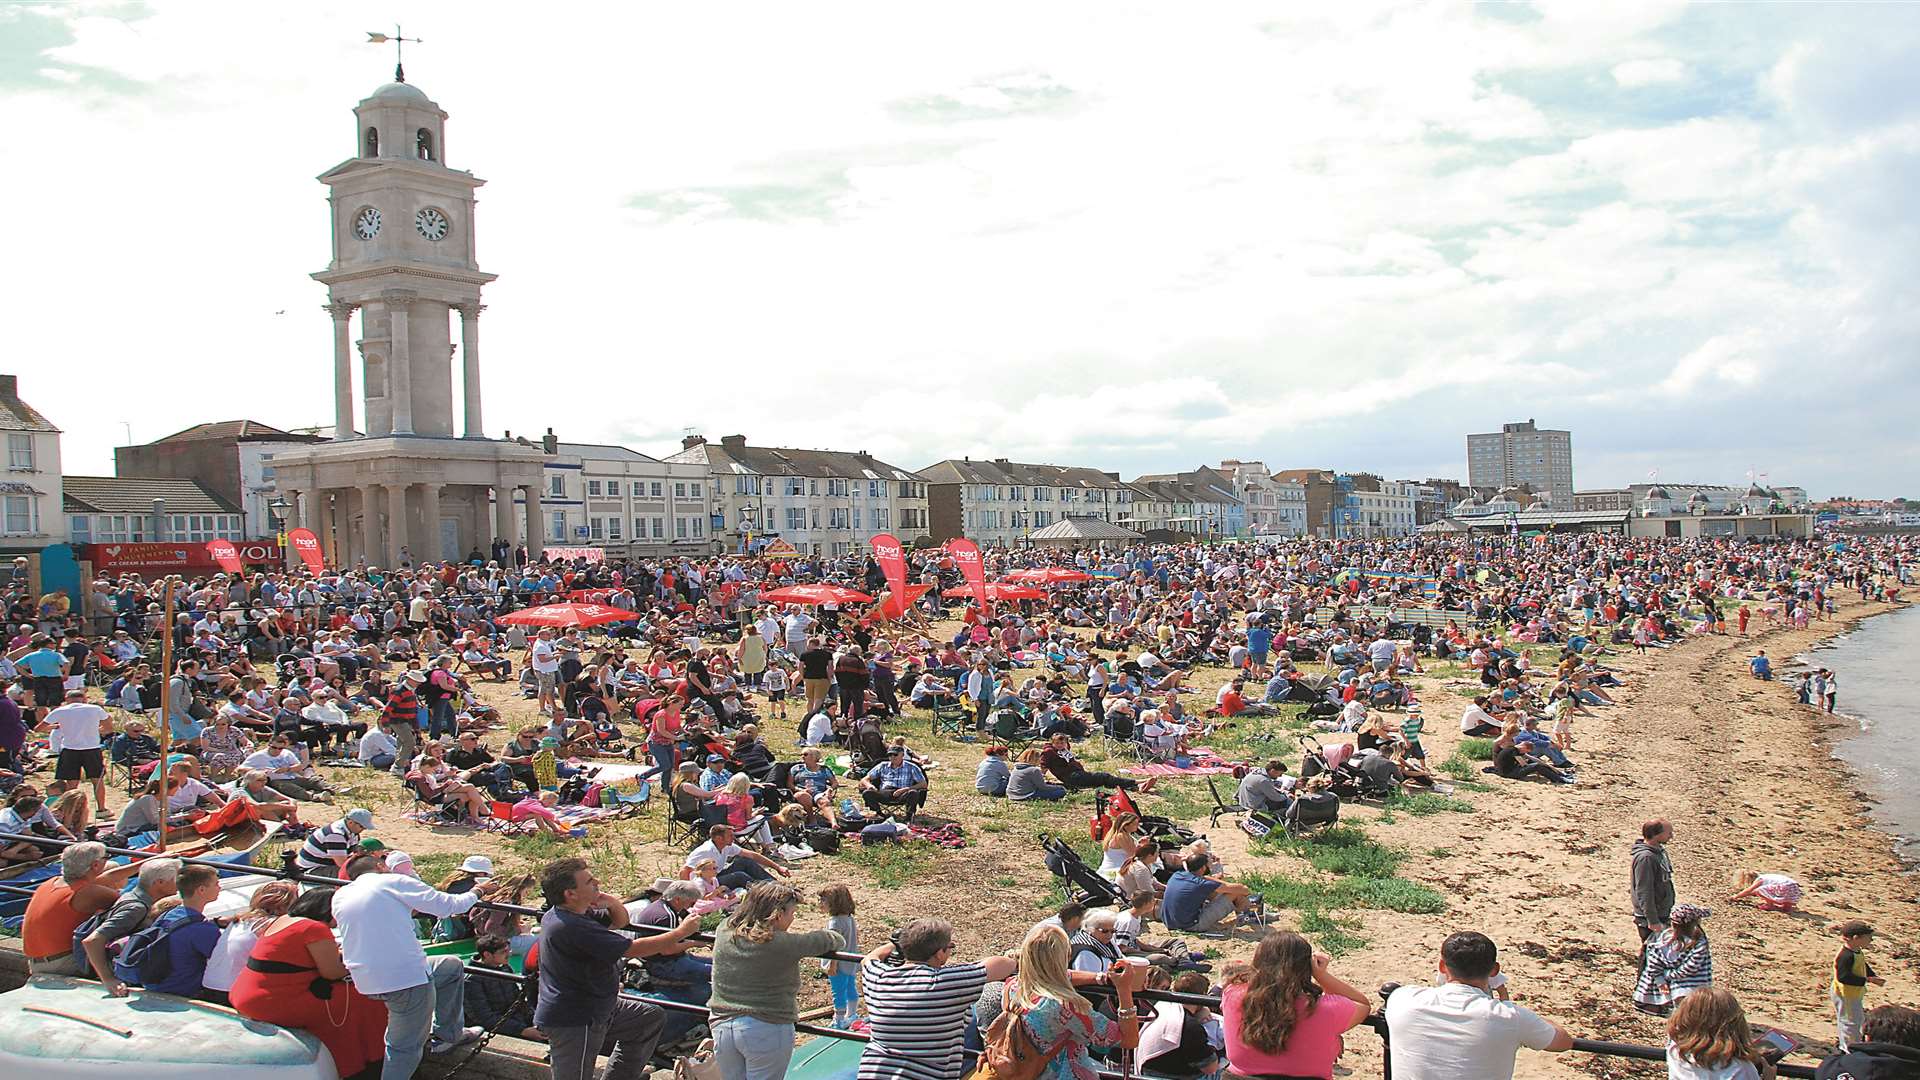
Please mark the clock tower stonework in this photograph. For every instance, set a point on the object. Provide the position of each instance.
(403, 257)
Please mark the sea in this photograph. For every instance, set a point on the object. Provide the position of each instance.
(1879, 688)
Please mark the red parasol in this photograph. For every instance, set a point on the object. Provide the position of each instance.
(814, 594)
(591, 596)
(568, 615)
(1049, 575)
(1000, 590)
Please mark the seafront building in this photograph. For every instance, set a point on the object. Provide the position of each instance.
(1523, 455)
(823, 502)
(1002, 503)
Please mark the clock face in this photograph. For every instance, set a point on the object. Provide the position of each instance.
(431, 223)
(366, 224)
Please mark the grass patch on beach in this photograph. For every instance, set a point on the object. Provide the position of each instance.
(1426, 804)
(1346, 870)
(1475, 749)
(891, 865)
(1181, 800)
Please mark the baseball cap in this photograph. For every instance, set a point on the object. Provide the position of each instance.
(477, 864)
(397, 860)
(714, 758)
(371, 843)
(361, 816)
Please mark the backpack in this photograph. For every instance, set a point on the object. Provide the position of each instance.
(144, 957)
(825, 841)
(1009, 1050)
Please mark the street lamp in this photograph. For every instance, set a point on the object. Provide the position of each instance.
(277, 523)
(750, 513)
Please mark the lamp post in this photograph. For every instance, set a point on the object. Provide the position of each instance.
(750, 516)
(277, 523)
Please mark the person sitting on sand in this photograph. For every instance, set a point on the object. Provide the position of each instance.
(1775, 892)
(1761, 667)
(1512, 763)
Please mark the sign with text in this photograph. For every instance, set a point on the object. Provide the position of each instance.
(184, 558)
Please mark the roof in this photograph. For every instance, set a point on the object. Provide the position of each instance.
(400, 92)
(1445, 525)
(135, 495)
(786, 461)
(1202, 485)
(237, 430)
(17, 415)
(1084, 528)
(1525, 518)
(1000, 471)
(600, 452)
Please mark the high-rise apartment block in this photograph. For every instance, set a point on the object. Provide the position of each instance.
(1522, 454)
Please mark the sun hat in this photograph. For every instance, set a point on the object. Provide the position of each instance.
(477, 864)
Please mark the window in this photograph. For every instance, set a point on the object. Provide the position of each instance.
(639, 528)
(423, 145)
(680, 528)
(656, 494)
(873, 489)
(20, 451)
(557, 528)
(879, 518)
(816, 518)
(557, 486)
(659, 526)
(593, 487)
(699, 526)
(679, 491)
(813, 487)
(795, 486)
(836, 518)
(696, 489)
(796, 519)
(596, 528)
(372, 143)
(842, 549)
(80, 529)
(613, 528)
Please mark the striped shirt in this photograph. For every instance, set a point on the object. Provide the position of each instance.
(323, 845)
(919, 1014)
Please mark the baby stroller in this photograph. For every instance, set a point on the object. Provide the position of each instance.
(1161, 830)
(1342, 778)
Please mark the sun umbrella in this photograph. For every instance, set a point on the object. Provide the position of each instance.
(591, 596)
(814, 594)
(568, 615)
(1000, 590)
(1049, 575)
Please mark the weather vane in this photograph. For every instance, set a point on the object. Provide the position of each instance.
(374, 37)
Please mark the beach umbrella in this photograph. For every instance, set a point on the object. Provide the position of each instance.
(564, 615)
(1049, 575)
(814, 594)
(591, 596)
(1000, 590)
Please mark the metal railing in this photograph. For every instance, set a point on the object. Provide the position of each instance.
(1376, 1022)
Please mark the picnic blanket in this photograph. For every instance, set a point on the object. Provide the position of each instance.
(1203, 762)
(569, 817)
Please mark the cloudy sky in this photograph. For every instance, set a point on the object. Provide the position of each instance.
(1134, 236)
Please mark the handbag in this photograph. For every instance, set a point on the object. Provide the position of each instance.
(1009, 1050)
(199, 709)
(699, 1065)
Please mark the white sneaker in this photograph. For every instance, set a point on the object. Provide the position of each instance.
(437, 1045)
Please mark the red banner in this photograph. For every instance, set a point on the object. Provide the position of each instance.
(308, 545)
(225, 554)
(966, 554)
(184, 558)
(893, 563)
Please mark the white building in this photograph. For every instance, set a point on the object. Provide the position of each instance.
(147, 509)
(1001, 502)
(824, 502)
(1522, 454)
(1386, 512)
(1199, 503)
(31, 494)
(633, 505)
(1273, 507)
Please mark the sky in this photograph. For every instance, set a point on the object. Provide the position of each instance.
(1137, 237)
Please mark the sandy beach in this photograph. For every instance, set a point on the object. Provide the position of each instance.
(1740, 768)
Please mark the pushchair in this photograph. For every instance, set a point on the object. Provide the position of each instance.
(1161, 830)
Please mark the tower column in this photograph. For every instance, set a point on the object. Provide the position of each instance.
(329, 519)
(503, 513)
(470, 366)
(396, 523)
(342, 369)
(536, 536)
(371, 538)
(399, 362)
(429, 548)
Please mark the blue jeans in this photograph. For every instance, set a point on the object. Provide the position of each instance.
(440, 717)
(439, 1003)
(683, 978)
(749, 1049)
(664, 757)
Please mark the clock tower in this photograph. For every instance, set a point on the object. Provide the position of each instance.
(403, 254)
(402, 247)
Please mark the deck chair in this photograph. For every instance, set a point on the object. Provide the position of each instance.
(684, 822)
(1082, 882)
(1221, 807)
(1312, 811)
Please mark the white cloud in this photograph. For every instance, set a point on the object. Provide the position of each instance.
(1651, 71)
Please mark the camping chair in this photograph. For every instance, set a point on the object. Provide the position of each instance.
(1162, 830)
(1312, 810)
(1007, 730)
(1221, 807)
(1081, 881)
(952, 720)
(685, 824)
(422, 799)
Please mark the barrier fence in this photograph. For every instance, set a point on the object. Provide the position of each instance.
(1375, 1022)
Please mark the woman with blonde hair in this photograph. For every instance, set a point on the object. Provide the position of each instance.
(737, 797)
(1058, 1020)
(1708, 1039)
(1118, 845)
(1284, 1013)
(270, 901)
(756, 982)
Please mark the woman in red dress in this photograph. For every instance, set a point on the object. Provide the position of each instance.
(276, 986)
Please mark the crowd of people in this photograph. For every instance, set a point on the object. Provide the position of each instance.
(279, 673)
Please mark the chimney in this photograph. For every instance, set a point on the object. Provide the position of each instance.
(734, 443)
(692, 441)
(507, 435)
(549, 443)
(1001, 461)
(9, 388)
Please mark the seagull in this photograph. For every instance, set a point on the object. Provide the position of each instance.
(282, 311)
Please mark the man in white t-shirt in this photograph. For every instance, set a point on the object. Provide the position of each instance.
(1459, 1030)
(738, 867)
(544, 658)
(77, 722)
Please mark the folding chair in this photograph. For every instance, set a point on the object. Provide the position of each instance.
(952, 720)
(1007, 730)
(684, 824)
(1221, 807)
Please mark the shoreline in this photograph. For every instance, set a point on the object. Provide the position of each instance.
(1832, 729)
(1746, 774)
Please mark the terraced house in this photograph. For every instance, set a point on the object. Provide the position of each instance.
(824, 502)
(1000, 502)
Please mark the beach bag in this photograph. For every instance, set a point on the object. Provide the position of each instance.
(881, 832)
(699, 1065)
(823, 840)
(1009, 1050)
(1258, 823)
(145, 958)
